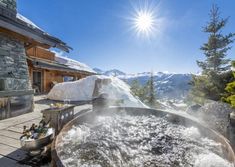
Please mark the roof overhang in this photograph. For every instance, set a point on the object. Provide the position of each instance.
(18, 26)
(52, 65)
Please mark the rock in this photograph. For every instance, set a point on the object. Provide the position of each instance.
(215, 115)
(193, 109)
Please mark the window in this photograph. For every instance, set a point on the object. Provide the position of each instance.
(68, 78)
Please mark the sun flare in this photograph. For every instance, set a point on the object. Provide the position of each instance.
(145, 19)
(144, 22)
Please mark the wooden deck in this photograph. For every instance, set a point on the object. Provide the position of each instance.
(11, 154)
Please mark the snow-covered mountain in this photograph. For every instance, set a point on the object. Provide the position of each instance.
(99, 71)
(168, 85)
(113, 72)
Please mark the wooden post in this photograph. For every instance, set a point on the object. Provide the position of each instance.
(8, 109)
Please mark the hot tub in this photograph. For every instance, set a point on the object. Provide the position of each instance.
(147, 137)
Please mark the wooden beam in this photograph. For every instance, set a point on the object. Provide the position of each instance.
(35, 34)
(29, 45)
(23, 38)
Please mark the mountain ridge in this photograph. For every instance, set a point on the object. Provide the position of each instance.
(167, 85)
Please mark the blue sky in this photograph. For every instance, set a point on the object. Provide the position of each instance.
(101, 36)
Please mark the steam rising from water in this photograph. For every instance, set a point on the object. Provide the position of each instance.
(138, 141)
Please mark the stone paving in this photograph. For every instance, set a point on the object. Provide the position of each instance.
(11, 129)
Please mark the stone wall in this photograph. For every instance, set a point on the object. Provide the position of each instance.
(13, 65)
(9, 4)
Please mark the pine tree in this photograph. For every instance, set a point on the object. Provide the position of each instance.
(215, 74)
(217, 45)
(146, 93)
(138, 90)
(151, 94)
(135, 87)
(230, 89)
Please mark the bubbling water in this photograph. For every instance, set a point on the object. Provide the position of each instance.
(123, 140)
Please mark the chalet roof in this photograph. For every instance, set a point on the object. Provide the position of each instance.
(74, 64)
(26, 20)
(21, 25)
(53, 65)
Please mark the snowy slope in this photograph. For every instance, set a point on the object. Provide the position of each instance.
(167, 85)
(82, 90)
(113, 72)
(98, 71)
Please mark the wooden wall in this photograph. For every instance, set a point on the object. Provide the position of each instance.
(58, 76)
(30, 67)
(41, 53)
(50, 76)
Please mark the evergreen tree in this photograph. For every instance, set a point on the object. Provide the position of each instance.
(230, 89)
(211, 84)
(135, 87)
(217, 45)
(151, 94)
(138, 90)
(146, 93)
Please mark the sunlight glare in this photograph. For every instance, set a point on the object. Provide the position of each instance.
(144, 22)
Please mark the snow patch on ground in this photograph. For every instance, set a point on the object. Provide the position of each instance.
(82, 90)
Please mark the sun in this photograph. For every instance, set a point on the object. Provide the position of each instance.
(145, 19)
(144, 22)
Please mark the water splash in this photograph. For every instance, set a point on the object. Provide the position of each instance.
(211, 160)
(138, 141)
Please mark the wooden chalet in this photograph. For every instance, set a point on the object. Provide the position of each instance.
(45, 70)
(26, 62)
